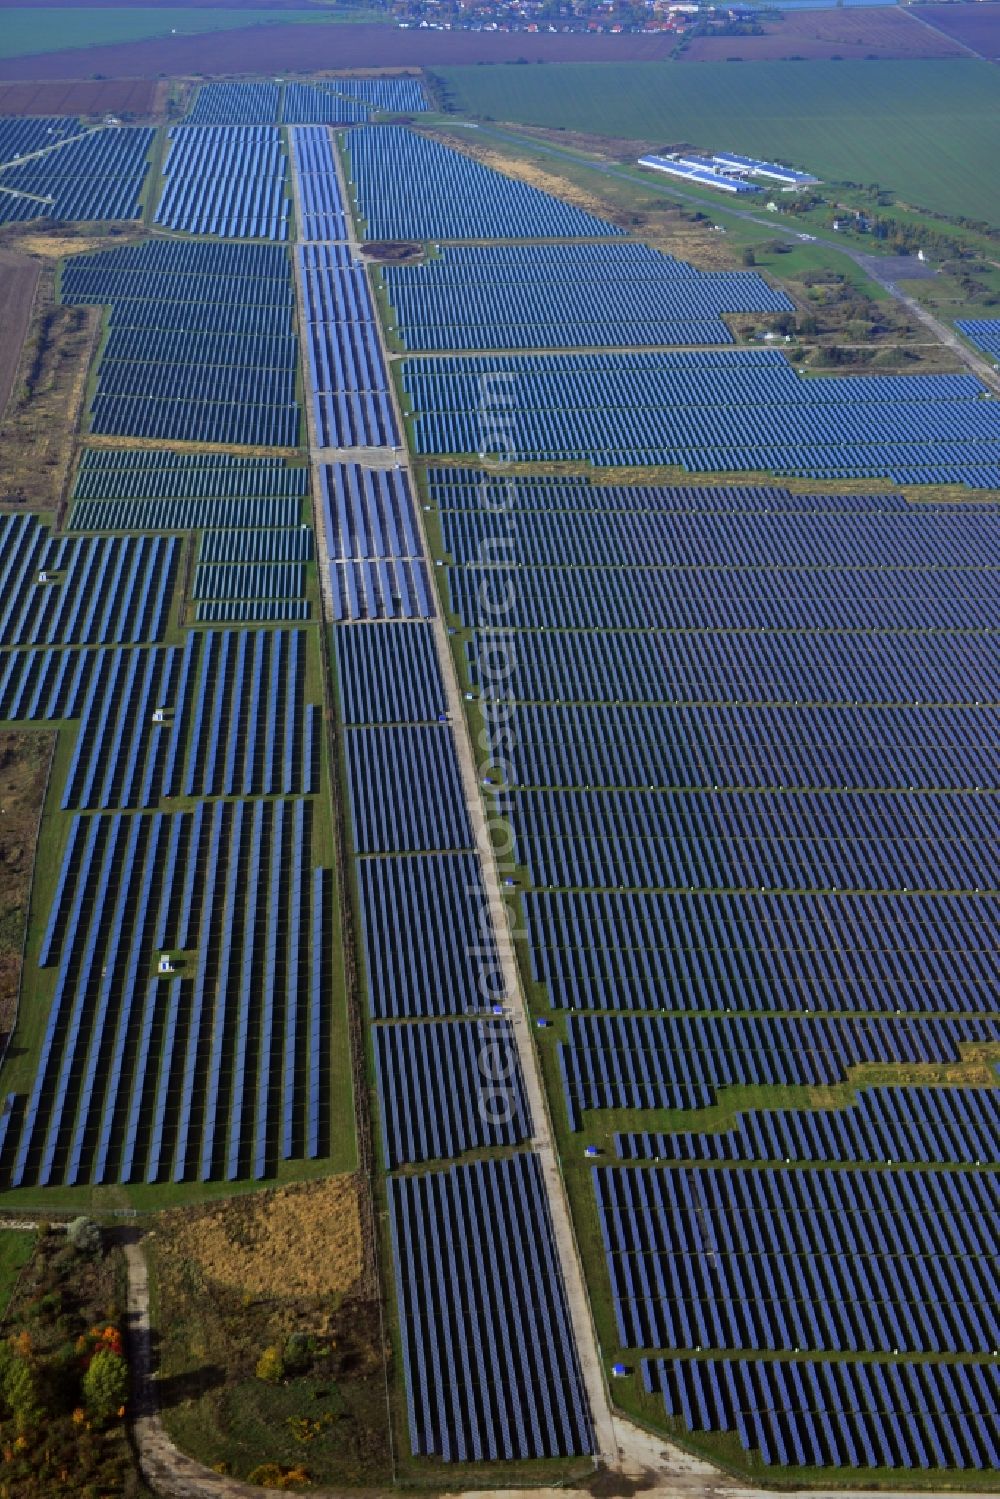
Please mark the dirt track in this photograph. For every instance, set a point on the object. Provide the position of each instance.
(18, 279)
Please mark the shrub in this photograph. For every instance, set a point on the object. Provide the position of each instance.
(84, 1235)
(274, 1476)
(298, 1354)
(271, 1365)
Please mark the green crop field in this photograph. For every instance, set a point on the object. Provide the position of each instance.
(26, 31)
(930, 130)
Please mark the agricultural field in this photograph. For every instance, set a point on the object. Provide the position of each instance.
(322, 45)
(926, 129)
(974, 26)
(850, 32)
(126, 98)
(27, 31)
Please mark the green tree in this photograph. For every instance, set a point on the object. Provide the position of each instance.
(20, 1392)
(105, 1384)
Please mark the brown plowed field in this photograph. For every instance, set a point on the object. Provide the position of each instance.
(976, 26)
(819, 34)
(76, 97)
(310, 49)
(18, 279)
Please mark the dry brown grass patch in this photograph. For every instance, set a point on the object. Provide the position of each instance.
(301, 1240)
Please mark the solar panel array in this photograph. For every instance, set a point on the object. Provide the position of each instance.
(312, 104)
(883, 1126)
(841, 1415)
(407, 186)
(147, 1078)
(157, 489)
(320, 205)
(59, 590)
(71, 173)
(325, 101)
(743, 410)
(235, 104)
(226, 180)
(567, 296)
(216, 1067)
(234, 383)
(749, 765)
(983, 332)
(375, 555)
(21, 135)
(447, 1068)
(350, 384)
(487, 1340)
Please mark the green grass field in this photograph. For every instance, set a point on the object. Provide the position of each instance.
(15, 1251)
(27, 31)
(929, 130)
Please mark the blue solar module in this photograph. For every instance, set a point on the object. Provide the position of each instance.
(488, 1352)
(235, 104)
(242, 715)
(459, 488)
(748, 840)
(714, 665)
(406, 790)
(315, 104)
(381, 588)
(806, 746)
(195, 1102)
(352, 404)
(446, 1089)
(386, 675)
(106, 590)
(837, 1414)
(411, 187)
(429, 948)
(368, 512)
(393, 95)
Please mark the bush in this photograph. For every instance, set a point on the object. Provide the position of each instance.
(274, 1476)
(105, 1384)
(84, 1235)
(271, 1365)
(298, 1354)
